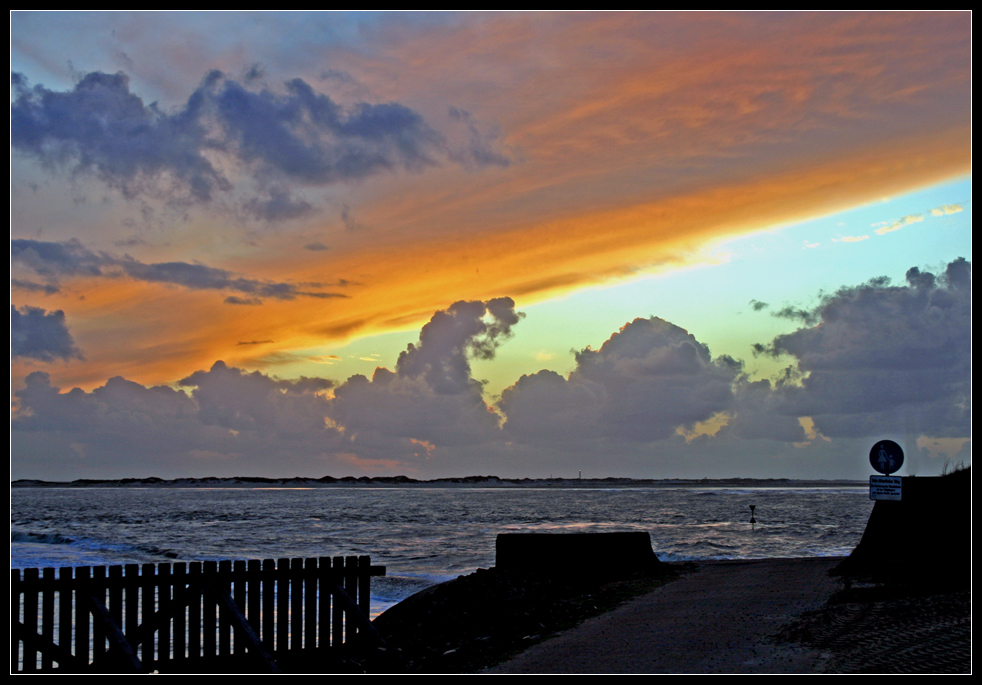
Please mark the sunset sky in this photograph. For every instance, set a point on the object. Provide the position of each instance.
(521, 244)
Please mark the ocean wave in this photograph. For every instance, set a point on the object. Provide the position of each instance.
(40, 538)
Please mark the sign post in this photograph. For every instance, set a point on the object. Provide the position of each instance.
(887, 457)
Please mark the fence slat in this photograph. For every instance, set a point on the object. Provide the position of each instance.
(16, 597)
(30, 619)
(269, 595)
(310, 603)
(148, 605)
(65, 623)
(351, 587)
(194, 609)
(324, 600)
(115, 586)
(364, 585)
(337, 611)
(253, 590)
(81, 649)
(296, 603)
(222, 584)
(208, 609)
(282, 605)
(47, 614)
(181, 595)
(131, 604)
(239, 580)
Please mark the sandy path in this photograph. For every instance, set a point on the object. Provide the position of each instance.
(716, 620)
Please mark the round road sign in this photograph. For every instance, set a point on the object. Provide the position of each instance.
(886, 457)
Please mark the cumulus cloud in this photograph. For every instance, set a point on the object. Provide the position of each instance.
(294, 135)
(451, 336)
(879, 352)
(41, 335)
(71, 258)
(235, 399)
(248, 423)
(118, 406)
(647, 380)
(760, 414)
(431, 396)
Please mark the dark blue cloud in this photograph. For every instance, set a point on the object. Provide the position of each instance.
(296, 135)
(71, 258)
(36, 334)
(31, 286)
(101, 128)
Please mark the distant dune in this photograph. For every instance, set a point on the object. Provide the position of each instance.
(405, 481)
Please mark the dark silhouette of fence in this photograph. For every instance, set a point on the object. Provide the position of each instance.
(201, 616)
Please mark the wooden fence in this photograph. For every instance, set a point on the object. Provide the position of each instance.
(186, 617)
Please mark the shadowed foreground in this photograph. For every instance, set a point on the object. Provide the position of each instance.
(760, 616)
(719, 619)
(768, 616)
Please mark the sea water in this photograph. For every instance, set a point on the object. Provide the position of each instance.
(422, 535)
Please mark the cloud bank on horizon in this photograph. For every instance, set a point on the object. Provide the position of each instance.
(265, 188)
(878, 355)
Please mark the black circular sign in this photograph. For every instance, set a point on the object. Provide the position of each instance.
(886, 457)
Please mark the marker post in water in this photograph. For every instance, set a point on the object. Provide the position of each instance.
(887, 457)
(752, 519)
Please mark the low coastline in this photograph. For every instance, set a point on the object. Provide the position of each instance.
(406, 482)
